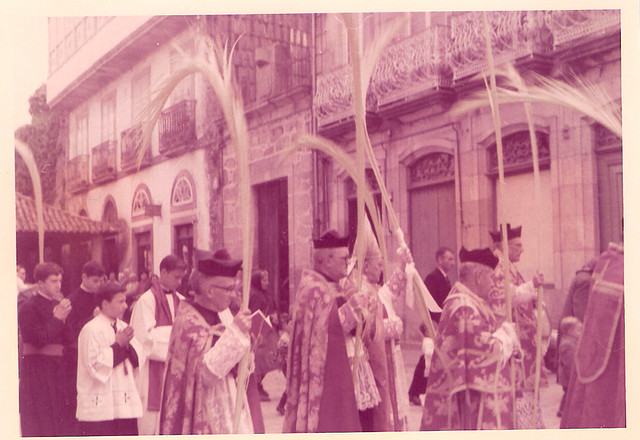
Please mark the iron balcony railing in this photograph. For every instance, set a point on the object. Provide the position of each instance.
(103, 161)
(177, 127)
(78, 173)
(131, 146)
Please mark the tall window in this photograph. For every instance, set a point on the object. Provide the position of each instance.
(108, 126)
(333, 41)
(140, 93)
(186, 88)
(79, 139)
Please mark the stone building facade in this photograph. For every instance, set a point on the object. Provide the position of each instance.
(438, 164)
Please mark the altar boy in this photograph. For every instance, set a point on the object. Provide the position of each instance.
(108, 359)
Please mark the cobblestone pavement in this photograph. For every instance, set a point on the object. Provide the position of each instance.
(274, 384)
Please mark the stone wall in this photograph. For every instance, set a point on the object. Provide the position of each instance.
(272, 129)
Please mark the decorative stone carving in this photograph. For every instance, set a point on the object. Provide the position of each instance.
(412, 65)
(516, 149)
(567, 26)
(434, 167)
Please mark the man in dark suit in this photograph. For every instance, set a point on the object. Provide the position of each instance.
(439, 286)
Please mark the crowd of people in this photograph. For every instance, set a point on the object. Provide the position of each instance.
(122, 356)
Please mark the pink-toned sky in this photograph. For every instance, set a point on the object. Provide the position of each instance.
(29, 62)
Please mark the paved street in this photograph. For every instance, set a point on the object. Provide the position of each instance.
(274, 384)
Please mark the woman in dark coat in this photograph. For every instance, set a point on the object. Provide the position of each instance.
(261, 299)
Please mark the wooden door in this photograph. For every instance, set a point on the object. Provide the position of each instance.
(432, 224)
(273, 238)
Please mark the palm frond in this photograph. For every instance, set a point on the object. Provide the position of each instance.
(24, 151)
(575, 93)
(215, 63)
(334, 151)
(374, 51)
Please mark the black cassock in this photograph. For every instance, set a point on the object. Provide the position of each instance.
(43, 382)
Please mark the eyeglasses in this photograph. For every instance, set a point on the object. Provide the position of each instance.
(230, 288)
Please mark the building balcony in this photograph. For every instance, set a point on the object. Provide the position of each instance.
(427, 70)
(570, 26)
(333, 104)
(78, 173)
(103, 162)
(130, 149)
(414, 72)
(177, 128)
(527, 38)
(515, 35)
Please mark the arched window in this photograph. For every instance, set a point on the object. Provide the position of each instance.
(183, 194)
(141, 198)
(517, 153)
(433, 168)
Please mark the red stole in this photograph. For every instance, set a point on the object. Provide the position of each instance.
(156, 368)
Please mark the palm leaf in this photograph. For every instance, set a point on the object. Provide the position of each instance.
(502, 210)
(575, 93)
(24, 151)
(215, 63)
(334, 151)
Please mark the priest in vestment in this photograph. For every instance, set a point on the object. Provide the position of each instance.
(469, 385)
(523, 307)
(207, 343)
(380, 353)
(320, 390)
(597, 388)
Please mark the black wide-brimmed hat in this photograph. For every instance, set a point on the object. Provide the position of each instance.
(511, 233)
(330, 239)
(480, 256)
(220, 264)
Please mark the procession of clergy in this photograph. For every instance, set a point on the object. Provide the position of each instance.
(173, 369)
